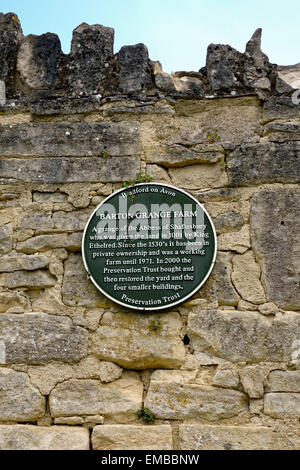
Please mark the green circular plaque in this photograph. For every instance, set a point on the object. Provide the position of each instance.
(149, 246)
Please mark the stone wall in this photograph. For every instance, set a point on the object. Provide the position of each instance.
(223, 372)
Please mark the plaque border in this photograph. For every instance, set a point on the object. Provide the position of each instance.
(149, 309)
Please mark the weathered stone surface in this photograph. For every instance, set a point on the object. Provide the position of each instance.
(59, 221)
(203, 176)
(244, 336)
(283, 381)
(10, 35)
(90, 57)
(226, 378)
(2, 93)
(282, 131)
(19, 262)
(13, 302)
(87, 368)
(77, 289)
(228, 222)
(282, 405)
(280, 107)
(246, 278)
(19, 400)
(70, 241)
(235, 241)
(118, 400)
(6, 240)
(69, 169)
(257, 67)
(32, 280)
(46, 377)
(130, 437)
(134, 69)
(275, 230)
(223, 194)
(24, 437)
(66, 139)
(211, 437)
(224, 66)
(127, 339)
(109, 371)
(170, 396)
(264, 163)
(252, 378)
(178, 155)
(268, 309)
(38, 60)
(219, 283)
(35, 338)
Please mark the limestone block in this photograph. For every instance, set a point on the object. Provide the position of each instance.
(246, 278)
(32, 280)
(282, 131)
(10, 36)
(228, 222)
(282, 405)
(203, 176)
(13, 302)
(131, 437)
(127, 339)
(109, 371)
(35, 338)
(219, 283)
(177, 155)
(87, 368)
(64, 139)
(268, 309)
(134, 69)
(46, 377)
(23, 262)
(252, 378)
(280, 107)
(216, 195)
(211, 437)
(266, 162)
(235, 241)
(77, 289)
(19, 399)
(6, 240)
(226, 378)
(24, 437)
(244, 336)
(178, 396)
(283, 381)
(60, 221)
(275, 228)
(119, 400)
(69, 241)
(70, 169)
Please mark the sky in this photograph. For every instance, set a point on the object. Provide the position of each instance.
(176, 32)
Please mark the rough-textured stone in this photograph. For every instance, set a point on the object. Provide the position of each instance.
(280, 107)
(70, 241)
(59, 221)
(264, 163)
(268, 309)
(10, 35)
(19, 399)
(35, 338)
(118, 400)
(90, 57)
(32, 280)
(219, 283)
(6, 240)
(109, 371)
(177, 155)
(223, 194)
(282, 131)
(244, 336)
(171, 397)
(21, 437)
(246, 278)
(224, 66)
(134, 69)
(38, 60)
(283, 381)
(76, 139)
(252, 379)
(127, 339)
(46, 377)
(2, 93)
(282, 405)
(211, 437)
(235, 241)
(226, 378)
(228, 222)
(69, 169)
(13, 302)
(130, 437)
(201, 176)
(19, 262)
(77, 289)
(275, 228)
